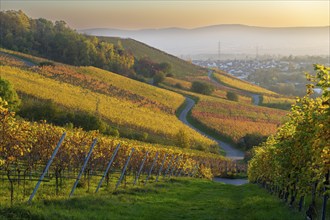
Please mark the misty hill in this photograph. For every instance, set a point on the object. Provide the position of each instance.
(234, 39)
(180, 68)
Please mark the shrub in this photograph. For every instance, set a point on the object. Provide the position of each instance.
(8, 93)
(232, 96)
(179, 86)
(46, 63)
(201, 87)
(158, 78)
(250, 140)
(182, 139)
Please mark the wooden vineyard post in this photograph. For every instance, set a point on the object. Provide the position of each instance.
(83, 167)
(194, 171)
(180, 171)
(141, 167)
(301, 202)
(325, 197)
(161, 167)
(47, 167)
(151, 168)
(124, 169)
(177, 171)
(108, 168)
(176, 162)
(169, 166)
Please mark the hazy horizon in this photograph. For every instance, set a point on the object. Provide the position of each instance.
(136, 15)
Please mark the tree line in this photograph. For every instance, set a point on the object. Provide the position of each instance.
(57, 41)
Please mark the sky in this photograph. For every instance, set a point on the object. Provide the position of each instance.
(183, 14)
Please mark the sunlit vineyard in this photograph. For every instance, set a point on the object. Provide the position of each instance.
(275, 100)
(239, 84)
(178, 83)
(111, 84)
(117, 111)
(26, 147)
(294, 163)
(164, 97)
(234, 120)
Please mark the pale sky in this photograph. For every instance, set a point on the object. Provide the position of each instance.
(183, 14)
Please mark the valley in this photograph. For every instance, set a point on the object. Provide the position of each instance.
(138, 133)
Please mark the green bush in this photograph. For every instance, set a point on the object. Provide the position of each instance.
(250, 140)
(182, 139)
(232, 96)
(46, 63)
(202, 88)
(8, 93)
(37, 109)
(158, 78)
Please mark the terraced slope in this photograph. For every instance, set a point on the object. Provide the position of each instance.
(230, 121)
(234, 120)
(236, 83)
(122, 102)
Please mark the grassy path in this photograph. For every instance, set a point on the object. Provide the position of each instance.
(175, 199)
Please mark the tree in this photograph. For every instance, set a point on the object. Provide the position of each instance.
(182, 139)
(232, 96)
(58, 42)
(158, 78)
(201, 87)
(8, 93)
(165, 67)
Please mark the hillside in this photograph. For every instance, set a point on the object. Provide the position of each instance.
(135, 108)
(236, 83)
(230, 120)
(180, 68)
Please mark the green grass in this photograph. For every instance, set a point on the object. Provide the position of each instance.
(176, 199)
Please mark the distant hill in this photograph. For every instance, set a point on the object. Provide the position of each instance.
(234, 39)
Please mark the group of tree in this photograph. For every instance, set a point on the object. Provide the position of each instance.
(202, 87)
(150, 69)
(57, 41)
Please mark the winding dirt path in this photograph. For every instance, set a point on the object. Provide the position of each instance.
(231, 152)
(27, 63)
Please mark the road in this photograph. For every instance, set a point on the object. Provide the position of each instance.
(27, 63)
(231, 152)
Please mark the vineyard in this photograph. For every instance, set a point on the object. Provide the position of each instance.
(230, 81)
(294, 163)
(235, 119)
(131, 104)
(31, 149)
(277, 102)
